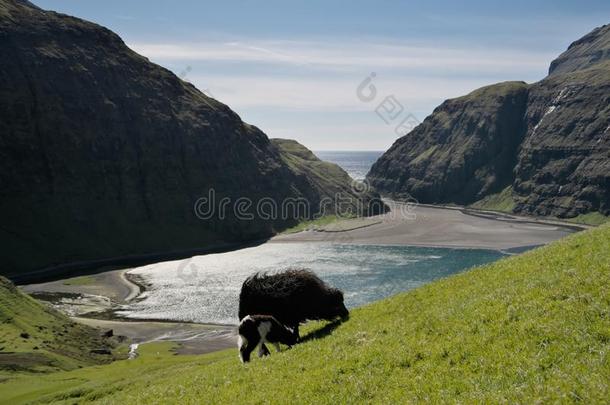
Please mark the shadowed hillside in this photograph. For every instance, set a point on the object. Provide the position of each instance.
(539, 149)
(104, 155)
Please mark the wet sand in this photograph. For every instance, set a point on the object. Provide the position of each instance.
(92, 299)
(192, 338)
(112, 284)
(441, 227)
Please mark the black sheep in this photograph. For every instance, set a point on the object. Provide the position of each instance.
(292, 296)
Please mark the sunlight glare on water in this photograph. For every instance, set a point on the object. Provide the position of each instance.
(206, 288)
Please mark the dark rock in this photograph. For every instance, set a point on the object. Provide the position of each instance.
(548, 142)
(102, 351)
(108, 333)
(24, 335)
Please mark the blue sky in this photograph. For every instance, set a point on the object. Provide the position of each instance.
(293, 68)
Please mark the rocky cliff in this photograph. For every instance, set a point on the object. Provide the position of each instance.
(105, 155)
(546, 146)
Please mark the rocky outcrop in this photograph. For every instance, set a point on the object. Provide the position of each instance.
(548, 142)
(592, 49)
(105, 155)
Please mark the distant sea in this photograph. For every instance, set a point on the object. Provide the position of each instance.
(356, 164)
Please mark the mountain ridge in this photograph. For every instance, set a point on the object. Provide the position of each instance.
(548, 141)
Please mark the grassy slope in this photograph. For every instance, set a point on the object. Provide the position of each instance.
(591, 218)
(534, 327)
(36, 338)
(502, 201)
(313, 224)
(326, 175)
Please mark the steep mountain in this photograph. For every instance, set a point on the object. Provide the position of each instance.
(105, 155)
(545, 146)
(463, 151)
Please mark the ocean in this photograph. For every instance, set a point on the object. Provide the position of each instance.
(356, 164)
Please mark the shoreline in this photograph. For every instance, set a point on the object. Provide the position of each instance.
(91, 267)
(102, 292)
(94, 304)
(136, 286)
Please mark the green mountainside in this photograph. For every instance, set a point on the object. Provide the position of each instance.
(35, 338)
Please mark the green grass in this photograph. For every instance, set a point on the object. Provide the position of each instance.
(82, 280)
(35, 338)
(591, 218)
(98, 381)
(533, 328)
(502, 201)
(314, 223)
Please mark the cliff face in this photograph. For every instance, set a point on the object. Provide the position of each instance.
(548, 142)
(463, 151)
(564, 164)
(104, 154)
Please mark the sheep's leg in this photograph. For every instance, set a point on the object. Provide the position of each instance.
(262, 350)
(245, 351)
(277, 346)
(296, 332)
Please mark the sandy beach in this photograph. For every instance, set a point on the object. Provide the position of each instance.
(432, 226)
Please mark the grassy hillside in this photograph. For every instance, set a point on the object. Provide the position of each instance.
(529, 328)
(36, 338)
(592, 218)
(303, 161)
(343, 197)
(502, 201)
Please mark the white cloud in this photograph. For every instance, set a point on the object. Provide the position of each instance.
(320, 93)
(351, 55)
(306, 90)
